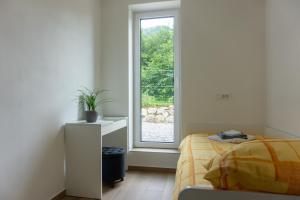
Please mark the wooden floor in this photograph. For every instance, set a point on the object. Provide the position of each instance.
(140, 185)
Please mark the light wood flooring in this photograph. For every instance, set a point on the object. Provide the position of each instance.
(139, 185)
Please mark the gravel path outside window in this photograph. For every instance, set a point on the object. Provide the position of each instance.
(157, 132)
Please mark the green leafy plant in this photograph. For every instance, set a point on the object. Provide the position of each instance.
(91, 99)
(151, 101)
(157, 66)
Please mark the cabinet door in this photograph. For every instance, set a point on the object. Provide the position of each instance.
(83, 160)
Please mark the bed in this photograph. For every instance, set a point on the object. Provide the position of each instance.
(196, 152)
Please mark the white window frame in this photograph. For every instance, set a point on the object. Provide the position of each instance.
(136, 92)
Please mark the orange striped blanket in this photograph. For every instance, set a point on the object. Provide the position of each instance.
(196, 152)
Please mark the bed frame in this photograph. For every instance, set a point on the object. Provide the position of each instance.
(199, 193)
(207, 193)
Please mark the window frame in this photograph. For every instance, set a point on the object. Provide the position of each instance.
(138, 16)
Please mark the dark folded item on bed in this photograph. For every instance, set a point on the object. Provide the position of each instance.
(223, 136)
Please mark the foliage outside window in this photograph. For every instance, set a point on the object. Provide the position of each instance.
(157, 66)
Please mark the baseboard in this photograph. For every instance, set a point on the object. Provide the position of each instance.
(153, 159)
(60, 195)
(277, 133)
(152, 169)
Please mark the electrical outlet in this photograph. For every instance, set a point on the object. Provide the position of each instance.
(223, 96)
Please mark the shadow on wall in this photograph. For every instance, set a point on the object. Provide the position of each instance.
(45, 159)
(80, 111)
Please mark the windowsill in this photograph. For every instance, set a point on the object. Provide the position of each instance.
(154, 150)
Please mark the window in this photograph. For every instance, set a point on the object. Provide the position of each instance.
(156, 79)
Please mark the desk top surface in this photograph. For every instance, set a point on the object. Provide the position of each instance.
(107, 124)
(103, 122)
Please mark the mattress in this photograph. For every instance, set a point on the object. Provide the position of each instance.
(196, 150)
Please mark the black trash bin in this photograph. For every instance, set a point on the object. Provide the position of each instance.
(113, 168)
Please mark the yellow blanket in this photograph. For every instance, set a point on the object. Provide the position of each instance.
(261, 166)
(196, 151)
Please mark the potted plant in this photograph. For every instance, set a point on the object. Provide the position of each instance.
(91, 100)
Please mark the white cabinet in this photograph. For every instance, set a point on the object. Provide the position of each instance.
(83, 148)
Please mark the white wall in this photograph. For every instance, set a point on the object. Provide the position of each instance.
(223, 51)
(283, 66)
(47, 52)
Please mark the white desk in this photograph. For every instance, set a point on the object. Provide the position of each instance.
(83, 147)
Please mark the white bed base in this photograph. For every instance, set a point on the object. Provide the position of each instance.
(199, 193)
(207, 193)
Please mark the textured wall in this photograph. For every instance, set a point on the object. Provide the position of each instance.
(283, 58)
(223, 52)
(47, 52)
